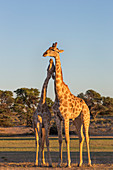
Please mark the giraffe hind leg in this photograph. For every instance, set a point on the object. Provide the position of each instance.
(47, 127)
(86, 129)
(59, 129)
(40, 143)
(79, 129)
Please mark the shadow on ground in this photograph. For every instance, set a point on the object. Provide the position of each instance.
(96, 157)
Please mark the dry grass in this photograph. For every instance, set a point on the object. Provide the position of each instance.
(24, 144)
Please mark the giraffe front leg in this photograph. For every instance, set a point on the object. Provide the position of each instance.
(43, 141)
(37, 136)
(40, 143)
(67, 139)
(59, 129)
(37, 146)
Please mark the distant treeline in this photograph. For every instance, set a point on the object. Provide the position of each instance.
(16, 111)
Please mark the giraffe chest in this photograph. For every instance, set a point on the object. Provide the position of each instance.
(43, 111)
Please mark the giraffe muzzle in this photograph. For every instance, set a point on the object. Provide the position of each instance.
(45, 54)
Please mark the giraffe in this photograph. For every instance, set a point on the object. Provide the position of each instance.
(68, 106)
(41, 120)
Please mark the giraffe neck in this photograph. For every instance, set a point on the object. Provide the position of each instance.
(58, 76)
(58, 70)
(44, 90)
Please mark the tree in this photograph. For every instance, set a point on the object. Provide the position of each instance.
(6, 104)
(49, 102)
(108, 104)
(93, 100)
(26, 102)
(97, 104)
(6, 97)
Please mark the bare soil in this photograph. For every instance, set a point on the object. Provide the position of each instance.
(96, 129)
(30, 166)
(13, 131)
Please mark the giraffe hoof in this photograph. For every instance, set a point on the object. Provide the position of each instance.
(89, 165)
(43, 163)
(35, 165)
(68, 166)
(79, 165)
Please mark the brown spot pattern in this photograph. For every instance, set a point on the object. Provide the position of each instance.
(65, 104)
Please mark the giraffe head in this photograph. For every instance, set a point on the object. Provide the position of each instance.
(51, 67)
(52, 51)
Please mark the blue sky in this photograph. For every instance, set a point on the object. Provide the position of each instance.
(82, 28)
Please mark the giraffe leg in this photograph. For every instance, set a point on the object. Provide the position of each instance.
(47, 143)
(43, 141)
(59, 129)
(66, 124)
(40, 143)
(36, 140)
(86, 127)
(36, 130)
(79, 129)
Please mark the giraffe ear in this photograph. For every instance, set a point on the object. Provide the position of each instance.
(60, 51)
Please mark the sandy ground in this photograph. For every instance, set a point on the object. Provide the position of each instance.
(30, 166)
